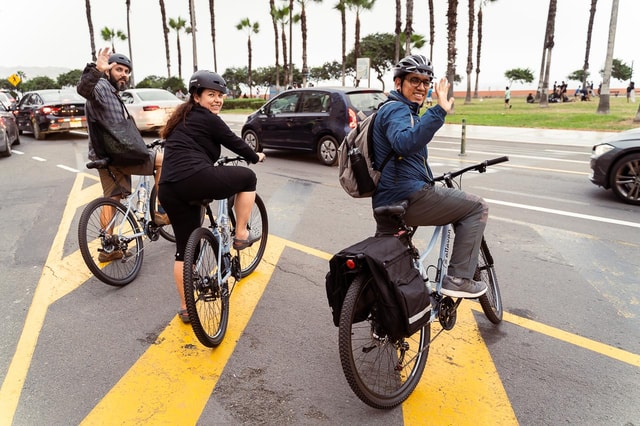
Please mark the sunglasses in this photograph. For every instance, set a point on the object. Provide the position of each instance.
(415, 81)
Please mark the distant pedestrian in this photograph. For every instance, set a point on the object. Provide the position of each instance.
(507, 98)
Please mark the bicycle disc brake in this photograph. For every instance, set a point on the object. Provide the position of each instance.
(447, 313)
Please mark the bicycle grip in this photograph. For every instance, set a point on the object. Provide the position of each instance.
(497, 160)
(98, 164)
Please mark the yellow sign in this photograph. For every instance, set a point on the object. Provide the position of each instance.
(14, 79)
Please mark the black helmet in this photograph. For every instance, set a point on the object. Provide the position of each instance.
(413, 64)
(207, 80)
(119, 58)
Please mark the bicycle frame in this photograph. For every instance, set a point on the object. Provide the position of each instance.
(222, 233)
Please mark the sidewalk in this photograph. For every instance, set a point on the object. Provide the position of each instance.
(513, 134)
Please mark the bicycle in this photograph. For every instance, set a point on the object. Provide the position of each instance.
(383, 372)
(111, 233)
(209, 264)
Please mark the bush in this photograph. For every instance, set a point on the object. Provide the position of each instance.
(243, 103)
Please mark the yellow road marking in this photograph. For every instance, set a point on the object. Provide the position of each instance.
(174, 378)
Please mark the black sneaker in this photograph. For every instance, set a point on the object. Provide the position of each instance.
(462, 287)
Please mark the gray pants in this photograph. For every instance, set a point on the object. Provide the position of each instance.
(437, 205)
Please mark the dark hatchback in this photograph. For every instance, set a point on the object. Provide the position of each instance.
(615, 165)
(50, 111)
(314, 119)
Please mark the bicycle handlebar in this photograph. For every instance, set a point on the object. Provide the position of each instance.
(480, 167)
(224, 160)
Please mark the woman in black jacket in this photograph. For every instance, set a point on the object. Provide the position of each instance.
(194, 136)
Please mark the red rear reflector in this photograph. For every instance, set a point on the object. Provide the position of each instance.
(150, 108)
(350, 264)
(353, 119)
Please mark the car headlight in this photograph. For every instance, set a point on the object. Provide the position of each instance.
(598, 150)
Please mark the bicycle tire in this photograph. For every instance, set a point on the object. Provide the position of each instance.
(491, 301)
(207, 300)
(165, 231)
(371, 365)
(250, 257)
(93, 240)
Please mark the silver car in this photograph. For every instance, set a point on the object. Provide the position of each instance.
(150, 108)
(8, 130)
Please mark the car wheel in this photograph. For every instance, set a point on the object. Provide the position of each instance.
(625, 179)
(37, 133)
(7, 146)
(327, 150)
(251, 138)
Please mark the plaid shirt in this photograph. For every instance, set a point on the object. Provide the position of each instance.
(103, 102)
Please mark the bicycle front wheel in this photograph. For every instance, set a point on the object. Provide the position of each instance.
(110, 242)
(381, 372)
(250, 257)
(491, 301)
(207, 299)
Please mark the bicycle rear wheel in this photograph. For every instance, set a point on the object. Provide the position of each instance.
(207, 299)
(491, 301)
(107, 244)
(166, 231)
(382, 373)
(250, 257)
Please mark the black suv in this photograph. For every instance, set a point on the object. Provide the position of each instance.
(314, 119)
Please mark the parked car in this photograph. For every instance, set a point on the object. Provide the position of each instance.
(314, 119)
(50, 111)
(150, 108)
(7, 99)
(615, 165)
(9, 134)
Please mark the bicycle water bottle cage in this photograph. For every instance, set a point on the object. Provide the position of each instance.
(390, 219)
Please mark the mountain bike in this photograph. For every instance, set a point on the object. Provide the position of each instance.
(383, 372)
(210, 264)
(111, 234)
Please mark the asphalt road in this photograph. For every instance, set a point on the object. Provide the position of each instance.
(76, 351)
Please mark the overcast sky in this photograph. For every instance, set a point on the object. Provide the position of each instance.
(55, 33)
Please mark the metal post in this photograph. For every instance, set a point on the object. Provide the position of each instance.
(463, 142)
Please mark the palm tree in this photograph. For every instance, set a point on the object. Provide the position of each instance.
(472, 15)
(479, 48)
(341, 7)
(585, 67)
(192, 14)
(452, 14)
(128, 3)
(303, 28)
(212, 13)
(251, 28)
(274, 20)
(165, 32)
(358, 6)
(408, 28)
(109, 35)
(87, 4)
(604, 103)
(432, 28)
(398, 30)
(178, 24)
(546, 56)
(282, 15)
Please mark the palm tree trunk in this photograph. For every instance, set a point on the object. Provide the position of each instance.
(212, 13)
(432, 28)
(472, 15)
(475, 91)
(585, 67)
(91, 35)
(356, 49)
(604, 103)
(285, 64)
(303, 28)
(549, 43)
(272, 8)
(165, 31)
(131, 77)
(408, 29)
(192, 12)
(451, 46)
(396, 53)
(343, 19)
(291, 41)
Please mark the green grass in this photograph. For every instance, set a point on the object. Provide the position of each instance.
(568, 115)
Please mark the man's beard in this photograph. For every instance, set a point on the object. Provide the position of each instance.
(119, 85)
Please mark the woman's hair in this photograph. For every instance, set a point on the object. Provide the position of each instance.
(180, 114)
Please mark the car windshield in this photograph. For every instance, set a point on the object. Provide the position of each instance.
(156, 95)
(61, 96)
(366, 101)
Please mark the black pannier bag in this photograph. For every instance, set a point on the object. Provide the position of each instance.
(404, 303)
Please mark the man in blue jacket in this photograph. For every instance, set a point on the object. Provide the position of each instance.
(399, 128)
